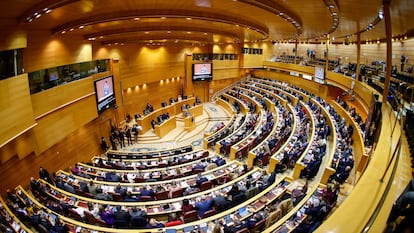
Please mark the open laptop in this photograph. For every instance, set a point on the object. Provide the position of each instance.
(227, 220)
(188, 229)
(170, 231)
(243, 211)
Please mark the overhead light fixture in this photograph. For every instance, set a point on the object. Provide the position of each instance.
(47, 10)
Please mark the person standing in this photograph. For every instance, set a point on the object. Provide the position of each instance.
(104, 145)
(44, 174)
(128, 135)
(112, 139)
(121, 134)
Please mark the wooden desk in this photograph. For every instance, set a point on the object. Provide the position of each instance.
(197, 110)
(172, 110)
(165, 127)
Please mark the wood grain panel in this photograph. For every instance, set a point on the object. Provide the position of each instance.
(51, 99)
(136, 98)
(16, 107)
(46, 50)
(80, 145)
(54, 127)
(251, 61)
(140, 63)
(13, 39)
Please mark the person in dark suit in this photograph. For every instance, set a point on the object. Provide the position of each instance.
(147, 192)
(104, 145)
(200, 179)
(251, 222)
(44, 174)
(238, 225)
(118, 189)
(220, 202)
(121, 218)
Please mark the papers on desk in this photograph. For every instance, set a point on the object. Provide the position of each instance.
(256, 175)
(176, 205)
(184, 184)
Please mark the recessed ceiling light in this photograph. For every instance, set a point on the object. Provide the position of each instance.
(81, 26)
(169, 32)
(71, 29)
(163, 17)
(136, 18)
(63, 32)
(146, 32)
(188, 18)
(188, 32)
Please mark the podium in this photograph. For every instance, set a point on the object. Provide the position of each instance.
(189, 123)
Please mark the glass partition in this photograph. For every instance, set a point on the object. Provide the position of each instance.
(44, 79)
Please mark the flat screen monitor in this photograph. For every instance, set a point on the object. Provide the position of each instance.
(105, 95)
(188, 229)
(202, 71)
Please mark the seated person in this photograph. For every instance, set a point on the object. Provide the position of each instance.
(173, 220)
(238, 225)
(147, 191)
(203, 205)
(200, 179)
(251, 222)
(121, 218)
(220, 202)
(186, 206)
(154, 224)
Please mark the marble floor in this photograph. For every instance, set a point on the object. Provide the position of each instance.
(212, 114)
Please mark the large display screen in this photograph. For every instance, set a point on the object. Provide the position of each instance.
(319, 74)
(202, 71)
(105, 96)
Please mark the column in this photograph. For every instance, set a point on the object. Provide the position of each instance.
(388, 33)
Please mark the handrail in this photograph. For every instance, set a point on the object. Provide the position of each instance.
(396, 154)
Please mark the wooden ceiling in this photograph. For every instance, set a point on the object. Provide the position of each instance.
(208, 21)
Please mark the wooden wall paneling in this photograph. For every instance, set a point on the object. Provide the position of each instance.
(231, 73)
(46, 50)
(201, 90)
(13, 39)
(225, 64)
(137, 97)
(54, 98)
(141, 64)
(252, 60)
(81, 145)
(54, 127)
(16, 108)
